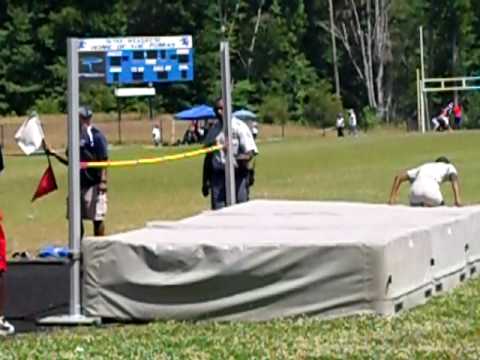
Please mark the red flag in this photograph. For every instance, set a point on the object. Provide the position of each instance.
(47, 183)
(3, 246)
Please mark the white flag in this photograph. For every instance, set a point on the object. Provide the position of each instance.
(29, 136)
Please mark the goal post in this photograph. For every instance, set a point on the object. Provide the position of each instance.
(442, 84)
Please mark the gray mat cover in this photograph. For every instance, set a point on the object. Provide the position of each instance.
(270, 259)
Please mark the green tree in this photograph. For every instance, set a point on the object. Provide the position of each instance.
(274, 110)
(21, 66)
(321, 106)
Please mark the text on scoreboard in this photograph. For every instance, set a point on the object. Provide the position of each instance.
(133, 60)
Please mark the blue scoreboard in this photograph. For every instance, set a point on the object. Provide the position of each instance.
(138, 60)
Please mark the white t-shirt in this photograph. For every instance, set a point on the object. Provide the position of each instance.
(340, 122)
(437, 172)
(352, 120)
(426, 180)
(156, 134)
(242, 140)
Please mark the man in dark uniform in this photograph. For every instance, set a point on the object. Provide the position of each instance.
(93, 181)
(244, 149)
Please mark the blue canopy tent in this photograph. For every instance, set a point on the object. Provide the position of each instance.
(199, 112)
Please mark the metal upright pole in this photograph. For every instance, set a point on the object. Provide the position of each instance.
(74, 218)
(422, 69)
(227, 123)
(419, 108)
(422, 62)
(422, 106)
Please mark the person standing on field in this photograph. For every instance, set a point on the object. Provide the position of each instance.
(340, 125)
(244, 150)
(93, 181)
(156, 135)
(457, 112)
(352, 122)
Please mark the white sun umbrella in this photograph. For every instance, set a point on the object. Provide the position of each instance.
(245, 115)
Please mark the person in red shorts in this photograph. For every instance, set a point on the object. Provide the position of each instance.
(5, 327)
(457, 112)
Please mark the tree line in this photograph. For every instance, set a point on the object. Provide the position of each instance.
(281, 52)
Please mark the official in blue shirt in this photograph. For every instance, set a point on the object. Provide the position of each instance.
(93, 181)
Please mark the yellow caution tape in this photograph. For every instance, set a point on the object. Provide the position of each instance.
(151, 161)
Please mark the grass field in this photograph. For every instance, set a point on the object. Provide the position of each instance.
(448, 327)
(311, 167)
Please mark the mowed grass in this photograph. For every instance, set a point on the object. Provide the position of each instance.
(313, 168)
(448, 327)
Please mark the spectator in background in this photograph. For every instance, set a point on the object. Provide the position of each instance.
(190, 136)
(457, 112)
(352, 122)
(340, 124)
(156, 135)
(426, 180)
(442, 121)
(199, 131)
(5, 327)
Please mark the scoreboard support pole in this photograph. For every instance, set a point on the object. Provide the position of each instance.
(75, 316)
(119, 121)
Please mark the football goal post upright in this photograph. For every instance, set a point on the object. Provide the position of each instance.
(444, 84)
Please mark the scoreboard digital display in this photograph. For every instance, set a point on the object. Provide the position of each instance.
(138, 60)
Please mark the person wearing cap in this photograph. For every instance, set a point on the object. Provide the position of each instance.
(244, 150)
(93, 181)
(425, 183)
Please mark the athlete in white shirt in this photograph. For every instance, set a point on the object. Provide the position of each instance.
(425, 183)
